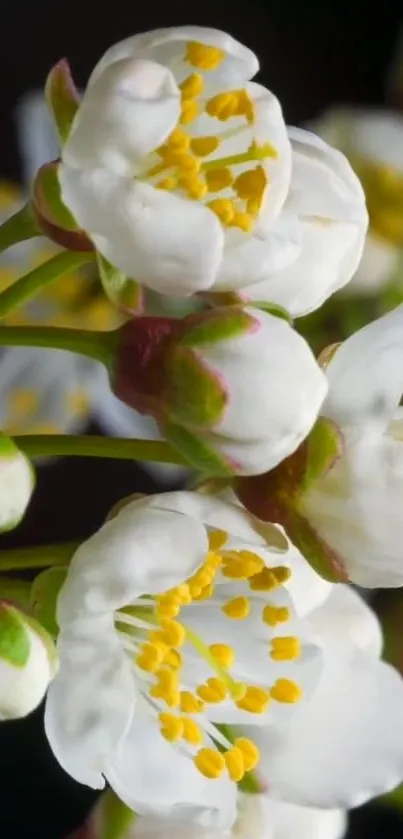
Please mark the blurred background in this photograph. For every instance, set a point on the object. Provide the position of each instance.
(314, 56)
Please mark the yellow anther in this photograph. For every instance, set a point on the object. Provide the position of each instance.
(167, 183)
(251, 184)
(187, 164)
(167, 606)
(213, 561)
(149, 657)
(284, 690)
(285, 649)
(223, 653)
(194, 186)
(178, 140)
(203, 55)
(203, 146)
(261, 152)
(239, 565)
(223, 106)
(250, 752)
(172, 699)
(192, 733)
(173, 659)
(244, 221)
(253, 206)
(189, 111)
(281, 573)
(205, 593)
(202, 578)
(265, 581)
(172, 633)
(210, 763)
(273, 615)
(218, 179)
(235, 764)
(217, 539)
(192, 86)
(238, 608)
(215, 690)
(255, 700)
(238, 690)
(182, 593)
(22, 401)
(190, 704)
(245, 106)
(167, 683)
(171, 726)
(223, 208)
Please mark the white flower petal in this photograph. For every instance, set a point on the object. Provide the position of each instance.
(341, 748)
(126, 114)
(290, 821)
(307, 589)
(328, 256)
(366, 374)
(152, 777)
(346, 618)
(91, 701)
(17, 481)
(142, 550)
(166, 242)
(168, 46)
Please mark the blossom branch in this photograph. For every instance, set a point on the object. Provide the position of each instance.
(38, 445)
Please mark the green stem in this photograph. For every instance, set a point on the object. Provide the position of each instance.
(29, 285)
(41, 556)
(99, 346)
(38, 445)
(16, 590)
(18, 228)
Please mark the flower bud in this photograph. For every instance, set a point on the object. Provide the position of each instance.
(27, 663)
(235, 389)
(16, 484)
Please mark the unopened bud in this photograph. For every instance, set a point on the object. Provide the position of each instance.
(17, 482)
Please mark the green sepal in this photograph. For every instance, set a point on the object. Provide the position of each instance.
(198, 453)
(62, 97)
(195, 395)
(44, 593)
(219, 325)
(15, 644)
(325, 561)
(48, 201)
(113, 817)
(323, 447)
(124, 293)
(271, 309)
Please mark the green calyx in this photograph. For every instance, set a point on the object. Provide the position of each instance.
(62, 97)
(198, 453)
(47, 198)
(322, 448)
(44, 593)
(123, 292)
(15, 644)
(219, 325)
(195, 396)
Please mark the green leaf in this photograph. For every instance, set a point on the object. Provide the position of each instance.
(47, 198)
(123, 292)
(44, 593)
(323, 448)
(15, 644)
(62, 97)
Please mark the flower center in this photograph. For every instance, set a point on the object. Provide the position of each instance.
(187, 162)
(166, 639)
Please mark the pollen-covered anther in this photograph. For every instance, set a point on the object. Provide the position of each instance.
(166, 688)
(203, 56)
(255, 700)
(150, 656)
(210, 763)
(167, 606)
(273, 615)
(172, 633)
(225, 105)
(223, 208)
(178, 140)
(192, 732)
(240, 565)
(192, 86)
(237, 608)
(285, 649)
(250, 751)
(189, 703)
(217, 539)
(251, 185)
(218, 179)
(167, 183)
(203, 146)
(235, 764)
(189, 111)
(284, 690)
(243, 220)
(171, 726)
(223, 654)
(193, 185)
(213, 691)
(270, 578)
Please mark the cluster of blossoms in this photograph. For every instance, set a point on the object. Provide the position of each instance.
(208, 643)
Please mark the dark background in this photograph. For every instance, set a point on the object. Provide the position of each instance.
(313, 55)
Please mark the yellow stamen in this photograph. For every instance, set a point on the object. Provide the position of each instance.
(273, 615)
(238, 608)
(235, 764)
(265, 581)
(167, 606)
(192, 86)
(194, 186)
(203, 146)
(189, 111)
(178, 140)
(210, 763)
(249, 751)
(171, 727)
(215, 690)
(173, 659)
(223, 106)
(284, 690)
(192, 732)
(243, 220)
(189, 703)
(282, 573)
(203, 56)
(223, 653)
(167, 685)
(223, 208)
(251, 184)
(150, 657)
(171, 633)
(255, 700)
(217, 539)
(255, 153)
(285, 649)
(219, 179)
(240, 565)
(167, 183)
